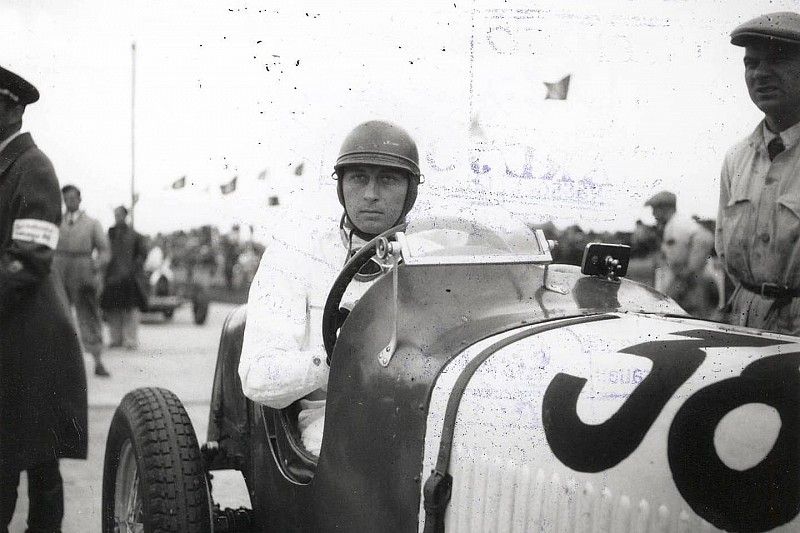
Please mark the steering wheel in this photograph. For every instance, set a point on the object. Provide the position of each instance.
(332, 318)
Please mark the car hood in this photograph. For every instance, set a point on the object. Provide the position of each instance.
(635, 421)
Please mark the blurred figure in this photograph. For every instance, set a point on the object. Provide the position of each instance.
(158, 267)
(686, 246)
(125, 291)
(81, 236)
(231, 249)
(43, 408)
(645, 253)
(758, 222)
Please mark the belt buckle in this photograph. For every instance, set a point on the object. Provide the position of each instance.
(772, 290)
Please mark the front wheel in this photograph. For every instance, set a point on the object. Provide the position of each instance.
(153, 475)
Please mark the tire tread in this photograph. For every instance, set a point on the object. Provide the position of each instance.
(172, 479)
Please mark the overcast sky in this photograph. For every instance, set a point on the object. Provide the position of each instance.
(228, 89)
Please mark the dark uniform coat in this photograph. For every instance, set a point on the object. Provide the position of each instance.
(43, 408)
(125, 282)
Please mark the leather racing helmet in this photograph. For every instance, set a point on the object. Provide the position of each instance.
(378, 142)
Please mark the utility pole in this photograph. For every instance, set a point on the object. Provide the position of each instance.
(133, 130)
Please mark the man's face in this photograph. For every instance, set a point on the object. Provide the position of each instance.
(773, 81)
(72, 200)
(374, 196)
(119, 215)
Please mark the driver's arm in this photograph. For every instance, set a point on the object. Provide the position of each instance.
(278, 366)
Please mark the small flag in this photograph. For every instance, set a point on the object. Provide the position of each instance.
(227, 188)
(179, 183)
(135, 199)
(263, 175)
(558, 90)
(273, 200)
(298, 170)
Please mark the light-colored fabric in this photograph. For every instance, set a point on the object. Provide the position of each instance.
(79, 237)
(686, 245)
(123, 327)
(8, 140)
(758, 227)
(155, 258)
(283, 356)
(311, 422)
(36, 231)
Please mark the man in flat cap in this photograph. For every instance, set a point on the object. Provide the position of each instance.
(686, 246)
(758, 224)
(42, 380)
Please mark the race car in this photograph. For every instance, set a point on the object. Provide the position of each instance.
(476, 386)
(165, 296)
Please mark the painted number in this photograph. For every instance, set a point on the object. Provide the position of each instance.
(756, 499)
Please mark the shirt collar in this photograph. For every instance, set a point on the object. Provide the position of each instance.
(74, 216)
(790, 136)
(8, 139)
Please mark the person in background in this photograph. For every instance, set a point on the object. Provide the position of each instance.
(43, 407)
(231, 249)
(686, 246)
(125, 291)
(758, 222)
(82, 254)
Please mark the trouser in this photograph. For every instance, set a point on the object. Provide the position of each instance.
(87, 307)
(123, 327)
(45, 497)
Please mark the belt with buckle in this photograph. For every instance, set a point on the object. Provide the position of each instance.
(772, 290)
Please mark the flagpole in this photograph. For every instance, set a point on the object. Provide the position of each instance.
(133, 129)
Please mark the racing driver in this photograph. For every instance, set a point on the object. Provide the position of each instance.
(283, 356)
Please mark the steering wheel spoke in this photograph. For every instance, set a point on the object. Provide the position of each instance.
(331, 321)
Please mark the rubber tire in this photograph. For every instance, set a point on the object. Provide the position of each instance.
(168, 314)
(172, 479)
(200, 306)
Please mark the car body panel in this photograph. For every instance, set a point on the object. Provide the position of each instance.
(641, 423)
(371, 457)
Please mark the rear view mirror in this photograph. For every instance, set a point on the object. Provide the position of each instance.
(605, 260)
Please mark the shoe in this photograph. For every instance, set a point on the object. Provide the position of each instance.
(100, 370)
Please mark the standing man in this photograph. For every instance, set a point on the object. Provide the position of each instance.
(758, 224)
(125, 291)
(283, 355)
(42, 380)
(80, 237)
(686, 247)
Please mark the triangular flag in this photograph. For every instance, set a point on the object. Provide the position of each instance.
(227, 188)
(263, 175)
(558, 90)
(298, 170)
(179, 183)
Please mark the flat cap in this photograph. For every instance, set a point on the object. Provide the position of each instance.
(665, 198)
(16, 88)
(781, 27)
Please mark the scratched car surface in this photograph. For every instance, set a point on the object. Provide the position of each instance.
(478, 387)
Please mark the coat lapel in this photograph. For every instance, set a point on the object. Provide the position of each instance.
(15, 149)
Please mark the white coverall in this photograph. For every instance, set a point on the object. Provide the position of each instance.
(283, 356)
